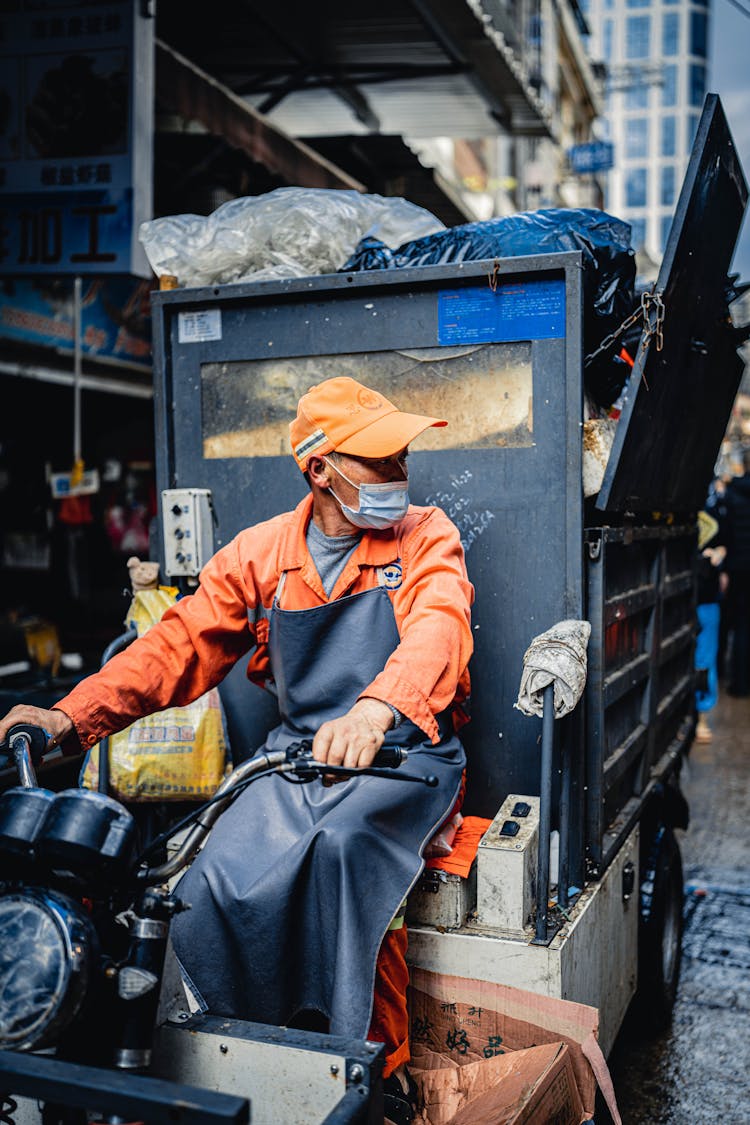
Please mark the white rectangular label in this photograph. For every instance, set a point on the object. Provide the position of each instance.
(62, 486)
(195, 327)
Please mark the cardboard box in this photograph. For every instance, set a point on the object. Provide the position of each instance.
(462, 1021)
(536, 1086)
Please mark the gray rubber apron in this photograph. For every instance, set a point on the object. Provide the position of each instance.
(297, 884)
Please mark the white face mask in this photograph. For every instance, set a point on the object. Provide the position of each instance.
(380, 505)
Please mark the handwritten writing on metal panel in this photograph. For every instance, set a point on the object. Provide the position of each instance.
(458, 505)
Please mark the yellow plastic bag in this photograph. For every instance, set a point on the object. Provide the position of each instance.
(174, 755)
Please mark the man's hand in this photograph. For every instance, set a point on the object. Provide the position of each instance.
(355, 738)
(56, 723)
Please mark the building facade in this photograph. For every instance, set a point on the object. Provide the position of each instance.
(655, 54)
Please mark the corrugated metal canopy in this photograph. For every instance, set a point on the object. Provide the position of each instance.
(423, 68)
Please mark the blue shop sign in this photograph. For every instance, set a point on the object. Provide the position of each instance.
(596, 156)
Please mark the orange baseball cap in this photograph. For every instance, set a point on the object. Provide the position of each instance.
(343, 415)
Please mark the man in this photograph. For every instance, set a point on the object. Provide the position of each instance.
(358, 608)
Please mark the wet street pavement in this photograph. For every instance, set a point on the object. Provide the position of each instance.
(699, 1071)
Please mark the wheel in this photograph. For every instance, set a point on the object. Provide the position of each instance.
(660, 933)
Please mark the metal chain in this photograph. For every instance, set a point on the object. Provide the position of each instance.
(648, 300)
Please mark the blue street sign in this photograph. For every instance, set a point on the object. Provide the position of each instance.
(596, 156)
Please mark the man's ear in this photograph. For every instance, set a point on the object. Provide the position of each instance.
(319, 472)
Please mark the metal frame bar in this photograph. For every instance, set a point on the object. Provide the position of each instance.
(641, 745)
(566, 782)
(111, 1091)
(353, 1109)
(545, 815)
(595, 548)
(200, 97)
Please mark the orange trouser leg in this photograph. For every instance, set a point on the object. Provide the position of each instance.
(390, 1020)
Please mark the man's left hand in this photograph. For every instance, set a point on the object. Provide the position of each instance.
(354, 739)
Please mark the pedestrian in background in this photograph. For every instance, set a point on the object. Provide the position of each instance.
(711, 555)
(734, 533)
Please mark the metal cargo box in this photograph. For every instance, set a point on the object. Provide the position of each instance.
(496, 348)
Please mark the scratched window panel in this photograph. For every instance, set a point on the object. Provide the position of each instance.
(247, 405)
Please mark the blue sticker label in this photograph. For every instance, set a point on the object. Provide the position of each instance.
(520, 310)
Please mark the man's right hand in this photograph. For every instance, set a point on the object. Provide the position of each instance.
(56, 723)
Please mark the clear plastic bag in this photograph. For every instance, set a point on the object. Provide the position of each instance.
(289, 232)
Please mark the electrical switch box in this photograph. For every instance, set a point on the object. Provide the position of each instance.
(506, 865)
(187, 529)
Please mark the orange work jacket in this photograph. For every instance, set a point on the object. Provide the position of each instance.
(198, 640)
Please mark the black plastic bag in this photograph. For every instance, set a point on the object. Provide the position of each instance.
(608, 269)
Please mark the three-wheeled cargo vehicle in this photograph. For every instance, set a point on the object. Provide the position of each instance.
(497, 348)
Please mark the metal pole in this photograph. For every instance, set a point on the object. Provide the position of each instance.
(77, 287)
(545, 813)
(21, 749)
(563, 869)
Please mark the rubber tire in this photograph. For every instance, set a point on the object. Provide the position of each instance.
(660, 942)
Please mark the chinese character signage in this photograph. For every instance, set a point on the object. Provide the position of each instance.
(76, 104)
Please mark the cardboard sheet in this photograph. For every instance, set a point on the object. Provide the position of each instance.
(466, 1021)
(535, 1086)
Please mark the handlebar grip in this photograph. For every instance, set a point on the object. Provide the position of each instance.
(390, 757)
(37, 739)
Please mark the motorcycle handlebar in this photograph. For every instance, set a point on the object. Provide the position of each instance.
(25, 745)
(387, 757)
(295, 764)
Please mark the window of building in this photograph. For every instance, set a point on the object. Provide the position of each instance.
(637, 3)
(669, 87)
(670, 34)
(637, 233)
(697, 89)
(636, 184)
(698, 34)
(636, 96)
(666, 194)
(668, 136)
(607, 39)
(637, 37)
(666, 226)
(636, 136)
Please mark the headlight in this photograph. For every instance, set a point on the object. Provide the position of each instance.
(46, 952)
